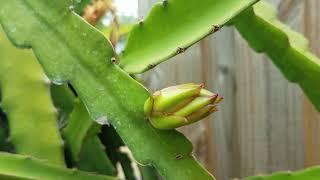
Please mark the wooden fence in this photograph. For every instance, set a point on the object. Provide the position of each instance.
(265, 124)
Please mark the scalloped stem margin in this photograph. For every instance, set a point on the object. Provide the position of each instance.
(312, 173)
(26, 100)
(70, 50)
(174, 25)
(26, 167)
(287, 49)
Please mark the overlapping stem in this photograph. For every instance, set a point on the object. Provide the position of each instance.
(82, 141)
(26, 167)
(312, 173)
(288, 49)
(26, 100)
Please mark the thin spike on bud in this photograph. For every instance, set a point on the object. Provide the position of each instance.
(200, 114)
(219, 99)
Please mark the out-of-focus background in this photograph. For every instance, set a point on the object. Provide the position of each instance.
(264, 124)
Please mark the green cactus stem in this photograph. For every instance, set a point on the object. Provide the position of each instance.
(312, 173)
(93, 157)
(26, 167)
(63, 99)
(174, 25)
(77, 129)
(26, 101)
(148, 173)
(288, 49)
(111, 139)
(82, 141)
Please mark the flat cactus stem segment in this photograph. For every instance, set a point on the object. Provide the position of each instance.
(77, 129)
(312, 173)
(81, 136)
(63, 99)
(72, 51)
(93, 157)
(25, 167)
(26, 100)
(287, 49)
(173, 26)
(110, 138)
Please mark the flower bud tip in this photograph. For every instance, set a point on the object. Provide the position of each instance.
(219, 99)
(214, 98)
(201, 85)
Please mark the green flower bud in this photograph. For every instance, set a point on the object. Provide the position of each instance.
(180, 105)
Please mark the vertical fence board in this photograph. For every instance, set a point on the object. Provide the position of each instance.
(311, 116)
(220, 78)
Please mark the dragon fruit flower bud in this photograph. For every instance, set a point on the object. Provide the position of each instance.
(180, 105)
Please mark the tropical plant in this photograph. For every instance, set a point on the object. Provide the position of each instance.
(87, 84)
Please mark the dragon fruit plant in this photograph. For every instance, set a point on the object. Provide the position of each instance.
(50, 105)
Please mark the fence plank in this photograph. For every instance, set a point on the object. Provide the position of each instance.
(269, 109)
(311, 116)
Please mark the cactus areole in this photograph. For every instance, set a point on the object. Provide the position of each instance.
(180, 105)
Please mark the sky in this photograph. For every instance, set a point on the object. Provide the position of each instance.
(127, 7)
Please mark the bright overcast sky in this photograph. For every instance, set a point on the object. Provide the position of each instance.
(127, 7)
